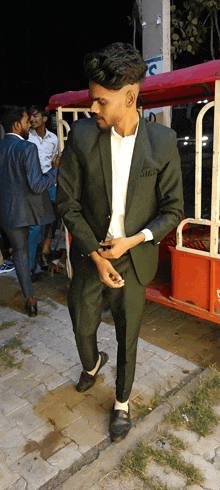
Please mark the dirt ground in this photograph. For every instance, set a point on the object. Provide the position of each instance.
(180, 333)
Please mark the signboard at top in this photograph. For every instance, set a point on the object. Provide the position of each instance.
(155, 66)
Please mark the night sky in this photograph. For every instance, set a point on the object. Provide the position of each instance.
(42, 45)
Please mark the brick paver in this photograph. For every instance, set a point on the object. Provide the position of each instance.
(46, 426)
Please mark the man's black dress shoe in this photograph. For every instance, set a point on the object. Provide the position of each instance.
(120, 424)
(31, 309)
(86, 380)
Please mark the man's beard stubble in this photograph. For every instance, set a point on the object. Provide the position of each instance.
(106, 129)
(24, 134)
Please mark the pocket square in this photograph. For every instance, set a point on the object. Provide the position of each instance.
(147, 172)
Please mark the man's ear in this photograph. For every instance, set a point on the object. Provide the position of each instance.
(45, 119)
(16, 126)
(130, 98)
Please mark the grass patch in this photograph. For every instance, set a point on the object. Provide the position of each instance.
(7, 359)
(51, 303)
(6, 325)
(25, 350)
(176, 442)
(140, 409)
(198, 410)
(136, 462)
(156, 401)
(12, 344)
(27, 324)
(157, 486)
(43, 313)
(199, 417)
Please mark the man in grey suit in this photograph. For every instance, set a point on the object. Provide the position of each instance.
(119, 193)
(24, 199)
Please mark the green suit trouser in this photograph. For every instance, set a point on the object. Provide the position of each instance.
(85, 303)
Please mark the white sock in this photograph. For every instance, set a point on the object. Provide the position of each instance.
(92, 373)
(121, 406)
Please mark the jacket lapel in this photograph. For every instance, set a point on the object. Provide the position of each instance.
(105, 152)
(142, 148)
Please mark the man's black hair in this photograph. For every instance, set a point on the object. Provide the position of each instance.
(9, 115)
(38, 108)
(115, 66)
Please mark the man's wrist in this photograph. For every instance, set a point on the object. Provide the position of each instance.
(136, 239)
(95, 257)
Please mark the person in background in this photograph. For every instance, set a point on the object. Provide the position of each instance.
(47, 145)
(24, 199)
(119, 192)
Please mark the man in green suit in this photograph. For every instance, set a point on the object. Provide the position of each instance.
(119, 193)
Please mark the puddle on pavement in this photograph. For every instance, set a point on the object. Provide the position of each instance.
(62, 407)
(47, 446)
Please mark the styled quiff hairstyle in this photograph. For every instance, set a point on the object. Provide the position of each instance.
(115, 66)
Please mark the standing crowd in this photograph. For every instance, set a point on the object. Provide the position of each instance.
(28, 176)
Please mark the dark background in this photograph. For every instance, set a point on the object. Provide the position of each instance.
(42, 44)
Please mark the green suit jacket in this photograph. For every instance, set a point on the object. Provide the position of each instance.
(154, 195)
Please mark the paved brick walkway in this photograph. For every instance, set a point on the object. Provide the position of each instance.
(104, 472)
(48, 429)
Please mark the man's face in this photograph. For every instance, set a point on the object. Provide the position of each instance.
(37, 120)
(109, 106)
(25, 126)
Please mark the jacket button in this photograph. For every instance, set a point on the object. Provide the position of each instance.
(82, 255)
(108, 216)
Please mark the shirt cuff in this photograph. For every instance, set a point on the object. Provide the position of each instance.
(148, 235)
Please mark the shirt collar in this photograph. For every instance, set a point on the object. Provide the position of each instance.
(18, 135)
(34, 133)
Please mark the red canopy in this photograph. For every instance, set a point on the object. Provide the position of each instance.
(172, 88)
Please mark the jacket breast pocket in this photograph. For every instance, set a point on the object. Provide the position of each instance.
(148, 172)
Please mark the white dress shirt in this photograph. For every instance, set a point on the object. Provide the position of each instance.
(122, 151)
(47, 148)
